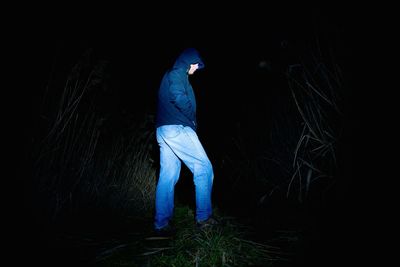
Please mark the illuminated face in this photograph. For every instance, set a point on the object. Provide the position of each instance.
(193, 68)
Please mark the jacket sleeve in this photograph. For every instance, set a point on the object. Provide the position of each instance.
(179, 97)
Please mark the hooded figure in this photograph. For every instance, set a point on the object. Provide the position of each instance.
(176, 135)
(176, 100)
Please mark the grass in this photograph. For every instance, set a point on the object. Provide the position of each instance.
(83, 159)
(225, 245)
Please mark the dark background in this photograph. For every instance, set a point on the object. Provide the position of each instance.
(245, 50)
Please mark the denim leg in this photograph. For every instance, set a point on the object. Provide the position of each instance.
(170, 167)
(185, 144)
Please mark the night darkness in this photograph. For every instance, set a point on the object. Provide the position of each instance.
(274, 115)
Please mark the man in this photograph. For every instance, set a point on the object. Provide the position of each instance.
(176, 135)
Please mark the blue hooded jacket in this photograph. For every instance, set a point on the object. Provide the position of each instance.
(176, 101)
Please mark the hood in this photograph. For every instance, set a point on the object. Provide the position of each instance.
(187, 57)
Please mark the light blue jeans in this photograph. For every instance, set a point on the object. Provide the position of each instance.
(178, 143)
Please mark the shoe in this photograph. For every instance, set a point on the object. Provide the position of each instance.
(166, 231)
(210, 222)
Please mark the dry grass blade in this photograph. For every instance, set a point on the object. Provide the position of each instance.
(155, 251)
